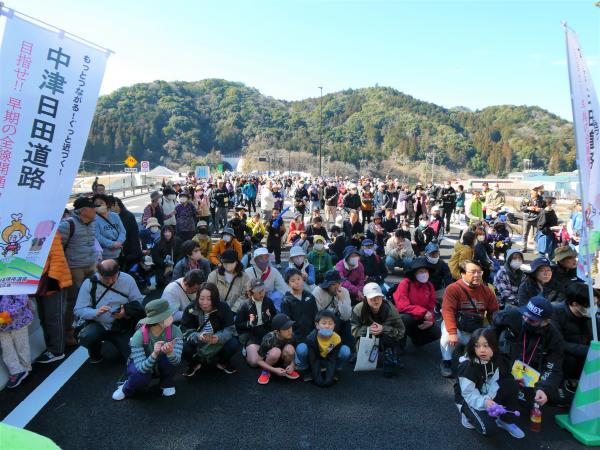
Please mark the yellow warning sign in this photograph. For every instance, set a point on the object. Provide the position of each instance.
(130, 161)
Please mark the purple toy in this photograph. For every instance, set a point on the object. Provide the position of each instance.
(497, 410)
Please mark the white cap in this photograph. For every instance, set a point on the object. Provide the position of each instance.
(296, 250)
(260, 251)
(148, 260)
(372, 290)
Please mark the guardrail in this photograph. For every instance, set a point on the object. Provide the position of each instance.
(133, 191)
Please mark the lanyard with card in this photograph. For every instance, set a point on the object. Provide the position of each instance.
(522, 371)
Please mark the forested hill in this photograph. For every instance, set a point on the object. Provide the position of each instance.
(173, 122)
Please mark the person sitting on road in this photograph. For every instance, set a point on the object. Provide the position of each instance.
(17, 313)
(464, 250)
(353, 271)
(529, 337)
(572, 319)
(298, 261)
(564, 272)
(439, 272)
(182, 291)
(231, 280)
(192, 260)
(257, 226)
(483, 381)
(155, 350)
(536, 282)
(165, 254)
(107, 308)
(464, 306)
(383, 321)
(331, 295)
(203, 239)
(320, 258)
(321, 357)
(154, 209)
(415, 301)
(253, 320)
(352, 225)
(509, 278)
(374, 265)
(296, 226)
(376, 232)
(261, 269)
(299, 305)
(277, 352)
(227, 241)
(399, 253)
(208, 331)
(316, 228)
(474, 208)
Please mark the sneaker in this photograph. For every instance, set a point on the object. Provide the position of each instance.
(465, 422)
(307, 376)
(264, 377)
(228, 369)
(191, 370)
(15, 380)
(446, 368)
(293, 375)
(118, 394)
(48, 357)
(511, 428)
(168, 392)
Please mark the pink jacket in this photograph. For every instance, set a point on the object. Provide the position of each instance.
(355, 278)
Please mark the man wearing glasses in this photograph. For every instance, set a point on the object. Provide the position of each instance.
(465, 305)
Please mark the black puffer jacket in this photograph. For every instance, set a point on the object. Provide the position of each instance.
(576, 331)
(246, 329)
(547, 358)
(322, 378)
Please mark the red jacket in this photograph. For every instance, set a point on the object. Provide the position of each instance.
(414, 298)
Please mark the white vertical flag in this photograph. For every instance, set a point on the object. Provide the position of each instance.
(586, 117)
(49, 86)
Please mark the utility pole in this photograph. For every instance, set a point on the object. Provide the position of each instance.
(321, 133)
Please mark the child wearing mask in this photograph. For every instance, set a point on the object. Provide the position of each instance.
(155, 350)
(298, 261)
(253, 320)
(277, 349)
(374, 265)
(320, 359)
(508, 279)
(203, 238)
(320, 258)
(227, 241)
(353, 271)
(482, 383)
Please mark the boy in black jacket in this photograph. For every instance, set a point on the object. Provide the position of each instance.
(299, 304)
(320, 359)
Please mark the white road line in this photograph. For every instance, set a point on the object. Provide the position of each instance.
(28, 408)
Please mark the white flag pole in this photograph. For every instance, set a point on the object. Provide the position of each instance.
(584, 243)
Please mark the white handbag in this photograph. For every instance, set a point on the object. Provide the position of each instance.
(368, 352)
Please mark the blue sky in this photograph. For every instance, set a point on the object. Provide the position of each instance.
(473, 53)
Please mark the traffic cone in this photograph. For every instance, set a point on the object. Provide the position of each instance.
(583, 420)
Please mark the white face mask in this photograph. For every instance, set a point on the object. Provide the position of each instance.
(585, 312)
(101, 209)
(368, 251)
(183, 200)
(353, 262)
(481, 238)
(515, 264)
(154, 229)
(432, 260)
(171, 196)
(298, 260)
(422, 277)
(319, 247)
(227, 237)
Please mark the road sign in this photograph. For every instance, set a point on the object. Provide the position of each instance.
(202, 171)
(130, 169)
(145, 166)
(130, 161)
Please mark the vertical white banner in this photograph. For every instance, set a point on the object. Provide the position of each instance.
(586, 117)
(49, 86)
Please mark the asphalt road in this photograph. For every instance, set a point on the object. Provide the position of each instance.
(364, 410)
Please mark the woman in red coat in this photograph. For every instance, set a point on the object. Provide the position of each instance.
(296, 226)
(415, 299)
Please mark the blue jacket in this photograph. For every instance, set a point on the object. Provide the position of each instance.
(249, 190)
(109, 231)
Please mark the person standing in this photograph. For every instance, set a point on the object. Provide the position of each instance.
(221, 199)
(448, 195)
(531, 208)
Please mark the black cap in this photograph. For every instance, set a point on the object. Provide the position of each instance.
(83, 202)
(281, 322)
(229, 256)
(331, 277)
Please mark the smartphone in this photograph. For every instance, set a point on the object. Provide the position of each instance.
(374, 354)
(115, 309)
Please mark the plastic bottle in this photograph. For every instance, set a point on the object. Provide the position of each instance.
(535, 419)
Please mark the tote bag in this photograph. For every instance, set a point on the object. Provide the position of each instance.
(368, 352)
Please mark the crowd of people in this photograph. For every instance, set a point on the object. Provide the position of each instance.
(200, 278)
